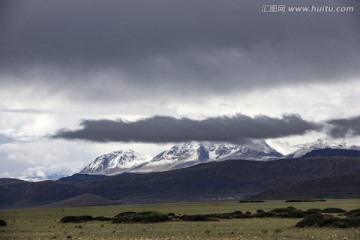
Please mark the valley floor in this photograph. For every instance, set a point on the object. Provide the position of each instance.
(43, 223)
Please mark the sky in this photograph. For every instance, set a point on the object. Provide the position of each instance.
(83, 78)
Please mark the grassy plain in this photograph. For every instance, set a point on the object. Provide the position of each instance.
(43, 223)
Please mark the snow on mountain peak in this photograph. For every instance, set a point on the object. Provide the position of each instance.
(254, 150)
(117, 161)
(189, 151)
(319, 144)
(179, 156)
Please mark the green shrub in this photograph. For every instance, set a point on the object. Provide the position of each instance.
(154, 218)
(333, 210)
(353, 213)
(85, 218)
(338, 222)
(76, 219)
(70, 219)
(289, 212)
(310, 220)
(231, 215)
(283, 210)
(124, 214)
(239, 214)
(214, 216)
(354, 222)
(101, 218)
(197, 218)
(142, 217)
(242, 215)
(328, 221)
(312, 211)
(3, 223)
(264, 214)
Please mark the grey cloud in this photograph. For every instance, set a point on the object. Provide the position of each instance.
(161, 129)
(27, 110)
(344, 127)
(6, 139)
(121, 49)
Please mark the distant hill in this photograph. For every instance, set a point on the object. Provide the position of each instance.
(347, 186)
(83, 178)
(83, 200)
(330, 152)
(215, 180)
(22, 193)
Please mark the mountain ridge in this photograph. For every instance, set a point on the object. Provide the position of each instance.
(304, 149)
(192, 153)
(343, 186)
(115, 162)
(230, 179)
(179, 156)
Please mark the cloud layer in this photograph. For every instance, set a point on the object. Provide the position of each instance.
(344, 127)
(118, 50)
(160, 129)
(61, 61)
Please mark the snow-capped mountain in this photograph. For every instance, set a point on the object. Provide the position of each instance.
(254, 150)
(319, 144)
(116, 162)
(179, 156)
(191, 153)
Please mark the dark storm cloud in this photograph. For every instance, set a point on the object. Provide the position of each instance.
(120, 49)
(160, 129)
(344, 127)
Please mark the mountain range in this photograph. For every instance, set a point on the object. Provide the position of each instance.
(192, 153)
(230, 179)
(179, 156)
(198, 171)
